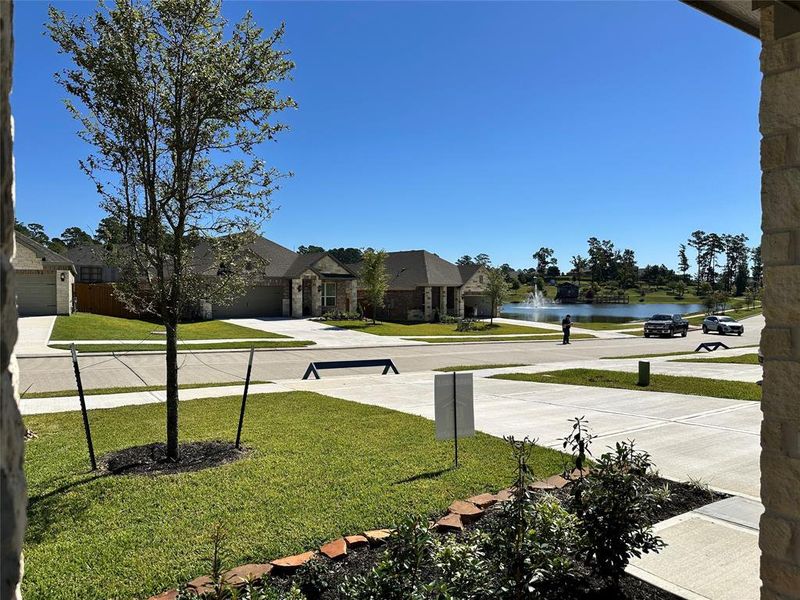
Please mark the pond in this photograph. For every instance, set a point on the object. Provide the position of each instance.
(611, 313)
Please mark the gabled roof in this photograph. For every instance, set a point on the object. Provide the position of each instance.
(90, 253)
(277, 259)
(414, 268)
(47, 255)
(305, 262)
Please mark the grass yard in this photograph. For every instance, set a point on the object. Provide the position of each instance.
(742, 359)
(694, 386)
(416, 329)
(125, 348)
(519, 338)
(86, 326)
(320, 467)
(660, 354)
(478, 367)
(126, 390)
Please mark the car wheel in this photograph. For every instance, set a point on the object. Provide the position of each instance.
(647, 335)
(671, 332)
(720, 331)
(741, 332)
(705, 328)
(684, 332)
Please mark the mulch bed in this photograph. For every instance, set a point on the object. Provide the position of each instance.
(683, 498)
(151, 459)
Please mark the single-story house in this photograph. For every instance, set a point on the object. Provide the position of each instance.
(288, 284)
(44, 279)
(423, 286)
(91, 264)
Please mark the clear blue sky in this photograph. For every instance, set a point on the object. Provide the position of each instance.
(469, 127)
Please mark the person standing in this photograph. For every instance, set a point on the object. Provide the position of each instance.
(566, 324)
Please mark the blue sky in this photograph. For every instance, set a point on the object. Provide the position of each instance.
(464, 128)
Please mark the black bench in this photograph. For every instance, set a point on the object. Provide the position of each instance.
(711, 346)
(315, 367)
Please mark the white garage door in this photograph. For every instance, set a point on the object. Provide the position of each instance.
(36, 294)
(258, 301)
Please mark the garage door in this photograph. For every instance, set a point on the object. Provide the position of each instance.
(36, 294)
(259, 301)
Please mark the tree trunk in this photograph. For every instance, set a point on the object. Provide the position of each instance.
(172, 388)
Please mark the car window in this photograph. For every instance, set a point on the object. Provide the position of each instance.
(726, 319)
(661, 317)
(676, 317)
(712, 318)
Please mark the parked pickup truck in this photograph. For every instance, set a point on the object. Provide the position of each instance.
(667, 325)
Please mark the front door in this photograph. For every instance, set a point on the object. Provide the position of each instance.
(306, 297)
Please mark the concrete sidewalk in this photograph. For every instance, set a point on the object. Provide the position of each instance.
(33, 334)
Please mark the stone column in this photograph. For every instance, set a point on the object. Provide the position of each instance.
(779, 118)
(458, 300)
(316, 297)
(443, 300)
(64, 292)
(352, 292)
(13, 490)
(428, 311)
(297, 298)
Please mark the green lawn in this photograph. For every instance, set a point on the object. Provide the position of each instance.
(478, 367)
(519, 338)
(86, 326)
(320, 467)
(742, 359)
(125, 390)
(734, 314)
(209, 346)
(660, 354)
(416, 329)
(695, 386)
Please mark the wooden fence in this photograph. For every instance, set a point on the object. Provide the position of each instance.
(98, 298)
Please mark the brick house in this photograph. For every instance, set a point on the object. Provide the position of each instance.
(423, 286)
(44, 279)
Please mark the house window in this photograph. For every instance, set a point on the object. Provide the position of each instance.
(91, 274)
(329, 295)
(480, 278)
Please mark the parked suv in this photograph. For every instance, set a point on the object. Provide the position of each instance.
(668, 325)
(722, 325)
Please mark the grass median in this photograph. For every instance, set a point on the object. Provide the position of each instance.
(87, 326)
(693, 386)
(742, 359)
(129, 389)
(144, 347)
(319, 467)
(478, 367)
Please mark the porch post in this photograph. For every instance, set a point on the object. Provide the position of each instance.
(779, 118)
(428, 313)
(297, 298)
(443, 300)
(458, 300)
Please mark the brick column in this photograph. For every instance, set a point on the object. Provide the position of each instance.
(297, 298)
(443, 300)
(13, 489)
(352, 291)
(428, 312)
(779, 118)
(458, 300)
(316, 297)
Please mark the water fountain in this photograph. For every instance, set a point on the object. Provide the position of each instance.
(536, 298)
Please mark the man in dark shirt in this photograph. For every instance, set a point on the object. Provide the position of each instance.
(566, 323)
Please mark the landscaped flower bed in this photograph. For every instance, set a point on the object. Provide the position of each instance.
(563, 537)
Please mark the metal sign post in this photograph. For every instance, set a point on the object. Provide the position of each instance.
(86, 429)
(244, 397)
(453, 407)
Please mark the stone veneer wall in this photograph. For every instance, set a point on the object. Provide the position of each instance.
(12, 445)
(779, 118)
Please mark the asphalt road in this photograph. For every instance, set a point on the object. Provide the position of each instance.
(56, 373)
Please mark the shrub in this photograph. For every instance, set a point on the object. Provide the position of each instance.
(448, 319)
(617, 508)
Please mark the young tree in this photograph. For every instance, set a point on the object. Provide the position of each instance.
(497, 290)
(176, 113)
(374, 278)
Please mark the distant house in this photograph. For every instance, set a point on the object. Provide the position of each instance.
(284, 284)
(43, 279)
(567, 292)
(92, 264)
(423, 286)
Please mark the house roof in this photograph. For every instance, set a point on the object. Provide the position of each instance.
(277, 259)
(414, 268)
(304, 262)
(48, 256)
(90, 253)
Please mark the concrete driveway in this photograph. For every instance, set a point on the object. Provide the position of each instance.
(33, 335)
(322, 334)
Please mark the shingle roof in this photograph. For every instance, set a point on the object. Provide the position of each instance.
(277, 258)
(48, 256)
(304, 262)
(414, 268)
(90, 253)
